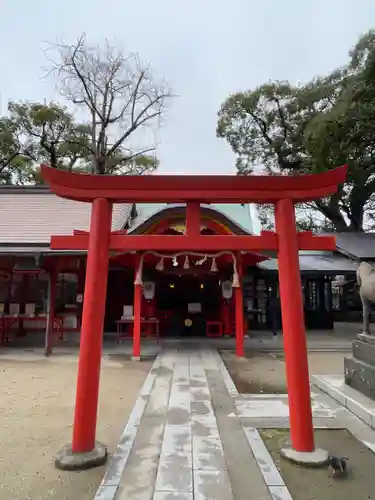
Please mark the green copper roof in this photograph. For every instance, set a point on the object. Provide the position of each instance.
(239, 214)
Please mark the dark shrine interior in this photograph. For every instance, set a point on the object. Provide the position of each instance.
(173, 294)
(185, 302)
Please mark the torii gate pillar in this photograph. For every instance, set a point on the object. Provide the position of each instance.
(294, 336)
(85, 452)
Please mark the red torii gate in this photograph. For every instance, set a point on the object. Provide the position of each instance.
(102, 191)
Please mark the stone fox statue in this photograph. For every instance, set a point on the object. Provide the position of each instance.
(366, 282)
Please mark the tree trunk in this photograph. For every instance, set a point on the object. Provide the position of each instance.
(100, 165)
(339, 224)
(332, 212)
(356, 220)
(53, 157)
(357, 203)
(93, 143)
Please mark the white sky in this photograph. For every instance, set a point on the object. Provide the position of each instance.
(206, 49)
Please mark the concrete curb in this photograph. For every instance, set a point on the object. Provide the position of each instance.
(112, 477)
(271, 475)
(358, 404)
(267, 466)
(228, 381)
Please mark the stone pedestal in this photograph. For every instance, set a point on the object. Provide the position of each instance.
(67, 460)
(360, 369)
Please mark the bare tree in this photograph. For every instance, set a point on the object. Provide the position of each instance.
(119, 99)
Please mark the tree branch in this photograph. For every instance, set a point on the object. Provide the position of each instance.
(282, 118)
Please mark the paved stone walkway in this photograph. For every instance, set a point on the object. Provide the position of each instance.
(191, 436)
(172, 446)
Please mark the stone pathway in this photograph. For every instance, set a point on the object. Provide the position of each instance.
(172, 446)
(191, 436)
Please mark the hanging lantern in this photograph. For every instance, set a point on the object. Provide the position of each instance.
(214, 266)
(227, 290)
(149, 290)
(160, 265)
(175, 261)
(186, 263)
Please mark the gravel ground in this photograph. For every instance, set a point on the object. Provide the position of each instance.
(36, 412)
(265, 372)
(317, 483)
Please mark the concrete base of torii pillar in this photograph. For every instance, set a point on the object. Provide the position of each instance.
(316, 458)
(66, 459)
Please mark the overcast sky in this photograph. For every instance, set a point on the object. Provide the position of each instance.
(206, 49)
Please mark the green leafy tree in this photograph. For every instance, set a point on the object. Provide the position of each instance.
(14, 167)
(345, 134)
(50, 134)
(281, 128)
(307, 219)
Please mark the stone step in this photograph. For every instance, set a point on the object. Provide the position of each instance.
(364, 351)
(360, 376)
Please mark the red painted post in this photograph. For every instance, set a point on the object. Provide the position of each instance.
(239, 313)
(80, 290)
(137, 317)
(51, 311)
(294, 334)
(225, 317)
(92, 328)
(193, 218)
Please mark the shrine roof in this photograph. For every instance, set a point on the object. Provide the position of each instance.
(359, 246)
(238, 214)
(322, 262)
(31, 214)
